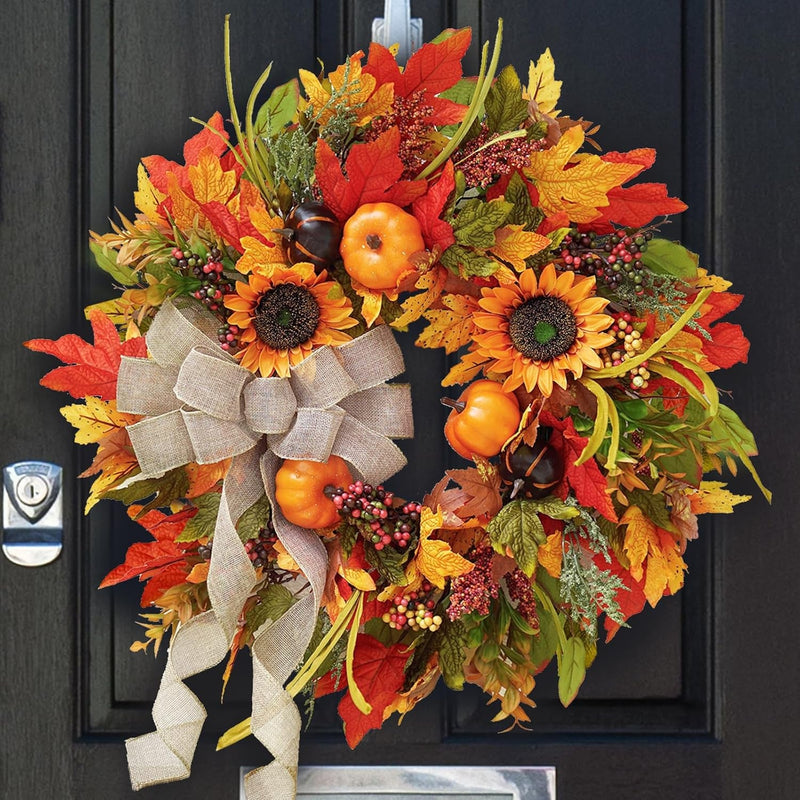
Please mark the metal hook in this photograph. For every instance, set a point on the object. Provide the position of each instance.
(397, 26)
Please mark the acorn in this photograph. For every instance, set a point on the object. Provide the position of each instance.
(313, 234)
(533, 471)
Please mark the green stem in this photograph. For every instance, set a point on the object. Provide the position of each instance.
(482, 86)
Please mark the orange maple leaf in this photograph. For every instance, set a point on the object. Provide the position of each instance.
(92, 369)
(647, 545)
(574, 183)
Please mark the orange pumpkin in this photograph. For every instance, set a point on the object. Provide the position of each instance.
(300, 491)
(482, 419)
(377, 242)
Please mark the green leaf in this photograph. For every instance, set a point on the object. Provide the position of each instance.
(733, 427)
(276, 600)
(348, 536)
(571, 670)
(653, 506)
(670, 258)
(171, 486)
(254, 519)
(461, 92)
(545, 644)
(523, 212)
(279, 109)
(555, 509)
(463, 261)
(119, 272)
(506, 109)
(389, 563)
(517, 526)
(477, 221)
(202, 524)
(453, 640)
(425, 646)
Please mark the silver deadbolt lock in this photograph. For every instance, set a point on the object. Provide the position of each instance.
(32, 513)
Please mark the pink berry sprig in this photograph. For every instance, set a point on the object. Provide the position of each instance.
(414, 611)
(613, 259)
(371, 510)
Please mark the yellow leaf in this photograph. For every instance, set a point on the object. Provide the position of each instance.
(413, 307)
(435, 560)
(638, 538)
(95, 419)
(550, 554)
(542, 85)
(466, 369)
(357, 578)
(208, 180)
(665, 568)
(259, 257)
(514, 245)
(371, 306)
(451, 327)
(199, 573)
(185, 211)
(645, 541)
(717, 282)
(353, 89)
(713, 498)
(580, 189)
(147, 197)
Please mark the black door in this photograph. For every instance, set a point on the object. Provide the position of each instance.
(700, 698)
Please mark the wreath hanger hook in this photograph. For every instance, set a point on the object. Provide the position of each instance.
(398, 27)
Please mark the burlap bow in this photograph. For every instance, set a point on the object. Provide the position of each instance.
(200, 406)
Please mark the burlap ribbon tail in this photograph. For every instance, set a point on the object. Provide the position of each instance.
(200, 406)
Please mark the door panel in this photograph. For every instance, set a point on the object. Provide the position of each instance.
(119, 83)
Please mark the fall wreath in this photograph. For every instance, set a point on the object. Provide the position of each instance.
(238, 391)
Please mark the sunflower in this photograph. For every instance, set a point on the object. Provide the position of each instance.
(284, 313)
(538, 331)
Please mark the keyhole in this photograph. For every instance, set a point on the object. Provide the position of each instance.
(31, 492)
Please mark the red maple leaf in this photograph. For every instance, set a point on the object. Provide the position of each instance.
(634, 206)
(162, 580)
(92, 369)
(162, 527)
(728, 344)
(372, 175)
(630, 598)
(586, 481)
(159, 167)
(143, 558)
(378, 673)
(674, 397)
(433, 68)
(428, 211)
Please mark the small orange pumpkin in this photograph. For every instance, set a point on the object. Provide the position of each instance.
(300, 491)
(377, 242)
(482, 419)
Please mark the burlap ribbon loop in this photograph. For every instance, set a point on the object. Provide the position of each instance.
(200, 406)
(224, 409)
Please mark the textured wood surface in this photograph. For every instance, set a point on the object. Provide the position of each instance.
(700, 698)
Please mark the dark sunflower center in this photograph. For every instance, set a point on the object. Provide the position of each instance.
(543, 328)
(286, 316)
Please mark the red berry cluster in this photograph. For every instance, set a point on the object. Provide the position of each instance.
(378, 521)
(612, 259)
(481, 164)
(209, 271)
(520, 591)
(414, 610)
(411, 115)
(258, 549)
